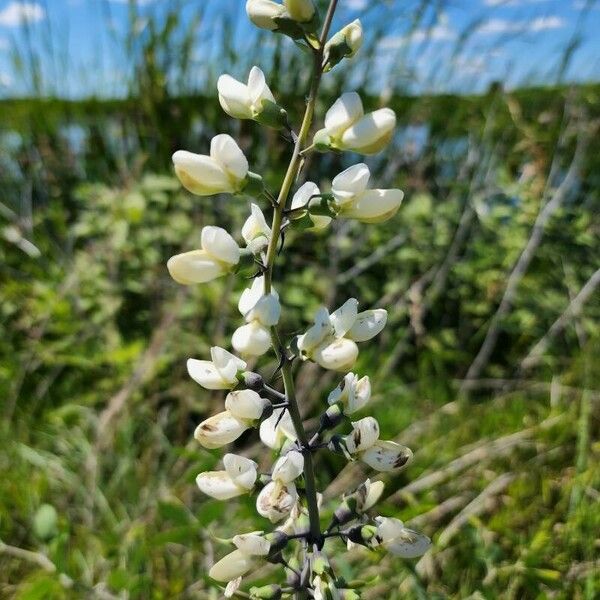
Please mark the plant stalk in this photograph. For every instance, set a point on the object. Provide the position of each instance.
(286, 368)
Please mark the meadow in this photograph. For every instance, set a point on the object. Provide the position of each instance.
(488, 366)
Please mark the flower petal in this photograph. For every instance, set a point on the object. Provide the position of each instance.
(227, 364)
(200, 174)
(276, 500)
(255, 231)
(206, 374)
(344, 112)
(246, 404)
(258, 88)
(266, 311)
(218, 484)
(219, 244)
(252, 339)
(367, 325)
(241, 470)
(276, 429)
(371, 133)
(374, 206)
(219, 430)
(409, 544)
(351, 183)
(343, 318)
(365, 433)
(252, 544)
(228, 154)
(338, 355)
(232, 566)
(194, 267)
(234, 97)
(288, 467)
(317, 333)
(387, 456)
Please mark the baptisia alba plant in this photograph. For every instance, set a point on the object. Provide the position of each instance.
(286, 496)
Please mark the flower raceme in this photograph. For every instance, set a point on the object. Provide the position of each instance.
(224, 170)
(279, 496)
(243, 410)
(218, 256)
(354, 201)
(238, 478)
(347, 127)
(365, 444)
(252, 100)
(331, 341)
(260, 312)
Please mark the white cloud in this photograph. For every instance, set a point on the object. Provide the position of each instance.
(497, 26)
(16, 13)
(441, 32)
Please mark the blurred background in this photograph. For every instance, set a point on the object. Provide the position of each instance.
(488, 368)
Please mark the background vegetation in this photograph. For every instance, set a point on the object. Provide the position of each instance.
(488, 368)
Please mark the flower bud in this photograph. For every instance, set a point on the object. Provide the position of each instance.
(246, 404)
(339, 355)
(223, 171)
(252, 339)
(253, 381)
(252, 544)
(302, 199)
(363, 534)
(300, 10)
(344, 44)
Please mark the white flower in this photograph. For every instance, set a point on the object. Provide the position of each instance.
(400, 541)
(218, 256)
(301, 199)
(260, 312)
(300, 10)
(331, 341)
(264, 12)
(238, 478)
(223, 171)
(348, 128)
(276, 500)
(277, 429)
(355, 201)
(251, 548)
(219, 374)
(352, 393)
(255, 231)
(244, 101)
(381, 455)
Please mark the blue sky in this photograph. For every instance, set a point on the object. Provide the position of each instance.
(78, 45)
